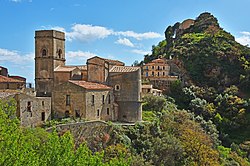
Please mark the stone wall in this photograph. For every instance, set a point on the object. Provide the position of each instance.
(81, 102)
(102, 109)
(76, 103)
(33, 111)
(127, 96)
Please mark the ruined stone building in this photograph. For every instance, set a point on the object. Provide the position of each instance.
(31, 110)
(158, 73)
(104, 89)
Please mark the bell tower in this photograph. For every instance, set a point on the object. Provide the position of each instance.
(49, 54)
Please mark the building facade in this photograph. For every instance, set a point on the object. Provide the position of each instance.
(158, 73)
(117, 91)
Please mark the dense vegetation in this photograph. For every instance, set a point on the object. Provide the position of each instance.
(206, 54)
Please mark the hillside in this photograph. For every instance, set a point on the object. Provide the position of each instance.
(206, 54)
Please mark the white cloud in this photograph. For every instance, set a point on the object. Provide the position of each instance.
(15, 57)
(58, 28)
(15, 0)
(20, 0)
(245, 33)
(141, 52)
(139, 36)
(125, 42)
(73, 54)
(244, 39)
(85, 33)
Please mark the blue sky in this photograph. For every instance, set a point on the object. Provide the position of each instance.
(117, 29)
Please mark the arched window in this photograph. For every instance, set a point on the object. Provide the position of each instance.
(59, 53)
(117, 87)
(44, 52)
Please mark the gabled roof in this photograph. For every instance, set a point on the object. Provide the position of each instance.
(91, 85)
(4, 79)
(107, 60)
(123, 69)
(65, 68)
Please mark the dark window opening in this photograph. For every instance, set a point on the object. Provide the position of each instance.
(77, 112)
(103, 99)
(153, 67)
(117, 87)
(93, 100)
(98, 113)
(153, 73)
(8, 86)
(59, 53)
(44, 52)
(66, 114)
(124, 116)
(67, 99)
(109, 99)
(43, 116)
(107, 111)
(29, 106)
(159, 68)
(158, 74)
(148, 90)
(163, 73)
(43, 103)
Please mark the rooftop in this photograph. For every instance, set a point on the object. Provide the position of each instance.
(4, 79)
(65, 68)
(91, 85)
(123, 69)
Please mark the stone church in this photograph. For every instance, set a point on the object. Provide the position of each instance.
(103, 89)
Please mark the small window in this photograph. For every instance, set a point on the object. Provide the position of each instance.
(77, 113)
(43, 116)
(98, 113)
(107, 111)
(29, 106)
(153, 73)
(93, 100)
(103, 99)
(59, 53)
(159, 68)
(163, 67)
(117, 87)
(153, 67)
(43, 103)
(67, 100)
(44, 52)
(163, 73)
(146, 74)
(109, 99)
(158, 74)
(8, 86)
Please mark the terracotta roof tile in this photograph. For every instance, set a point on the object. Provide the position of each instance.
(8, 79)
(123, 69)
(65, 68)
(91, 85)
